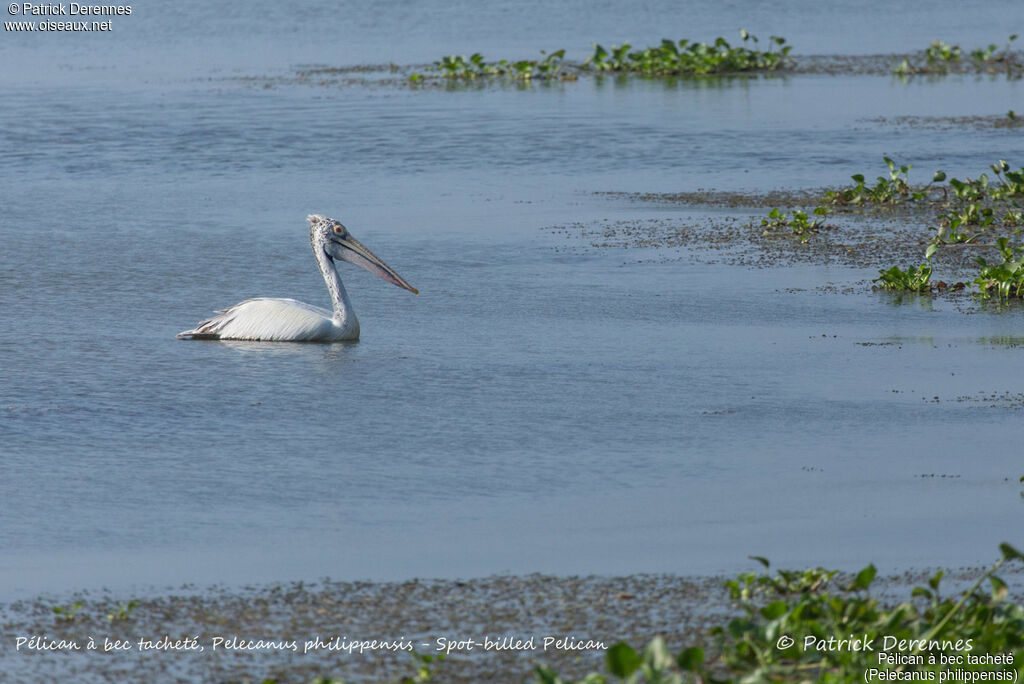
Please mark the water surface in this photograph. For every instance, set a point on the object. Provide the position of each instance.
(535, 409)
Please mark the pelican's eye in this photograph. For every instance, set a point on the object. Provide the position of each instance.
(339, 230)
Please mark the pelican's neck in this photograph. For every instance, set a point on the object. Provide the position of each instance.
(344, 316)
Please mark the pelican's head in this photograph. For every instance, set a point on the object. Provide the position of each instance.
(336, 242)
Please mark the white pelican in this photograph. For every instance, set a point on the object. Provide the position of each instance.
(288, 320)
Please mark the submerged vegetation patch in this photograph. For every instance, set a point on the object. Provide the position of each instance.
(717, 236)
(968, 230)
(944, 123)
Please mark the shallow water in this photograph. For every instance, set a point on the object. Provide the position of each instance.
(534, 409)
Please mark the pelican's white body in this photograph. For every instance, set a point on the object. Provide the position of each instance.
(278, 320)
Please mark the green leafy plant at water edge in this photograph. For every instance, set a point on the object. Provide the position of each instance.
(784, 616)
(1011, 183)
(670, 58)
(941, 58)
(969, 190)
(425, 666)
(939, 52)
(890, 189)
(913, 279)
(991, 53)
(1013, 218)
(67, 613)
(123, 611)
(1010, 186)
(973, 213)
(977, 210)
(973, 216)
(800, 225)
(1004, 280)
(690, 58)
(459, 67)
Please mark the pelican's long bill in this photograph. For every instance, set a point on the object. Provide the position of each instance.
(347, 248)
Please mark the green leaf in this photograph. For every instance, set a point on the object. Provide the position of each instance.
(764, 561)
(545, 675)
(622, 660)
(657, 656)
(939, 177)
(1010, 553)
(864, 578)
(774, 610)
(691, 659)
(999, 588)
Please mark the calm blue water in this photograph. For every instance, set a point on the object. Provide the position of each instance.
(533, 409)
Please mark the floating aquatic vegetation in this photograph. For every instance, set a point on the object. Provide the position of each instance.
(550, 66)
(978, 213)
(67, 613)
(670, 58)
(913, 279)
(783, 633)
(1005, 279)
(800, 225)
(971, 219)
(943, 58)
(886, 190)
(684, 57)
(123, 611)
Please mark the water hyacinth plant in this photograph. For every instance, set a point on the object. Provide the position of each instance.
(886, 190)
(939, 52)
(942, 58)
(992, 53)
(670, 58)
(978, 213)
(977, 209)
(800, 225)
(913, 279)
(458, 67)
(673, 58)
(1005, 280)
(974, 214)
(67, 613)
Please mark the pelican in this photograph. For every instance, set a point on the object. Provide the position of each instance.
(288, 320)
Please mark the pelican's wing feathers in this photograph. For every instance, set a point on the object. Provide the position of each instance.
(266, 319)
